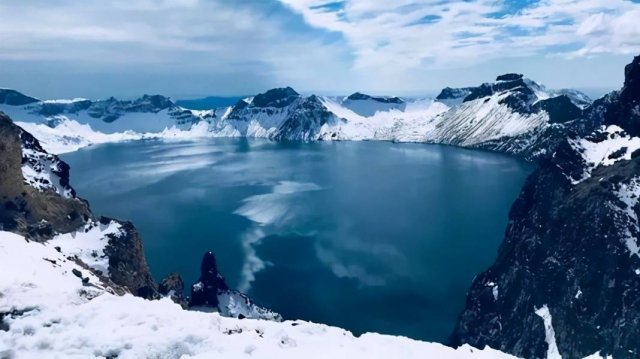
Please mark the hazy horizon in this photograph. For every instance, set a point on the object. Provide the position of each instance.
(593, 93)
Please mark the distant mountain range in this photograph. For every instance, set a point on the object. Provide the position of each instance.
(513, 115)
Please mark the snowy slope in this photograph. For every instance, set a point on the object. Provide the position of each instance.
(69, 135)
(53, 307)
(488, 118)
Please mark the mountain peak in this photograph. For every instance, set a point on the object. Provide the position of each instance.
(631, 89)
(625, 109)
(277, 97)
(383, 99)
(509, 77)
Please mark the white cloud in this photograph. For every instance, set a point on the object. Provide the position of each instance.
(232, 47)
(194, 36)
(399, 35)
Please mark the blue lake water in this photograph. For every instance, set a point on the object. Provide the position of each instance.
(369, 236)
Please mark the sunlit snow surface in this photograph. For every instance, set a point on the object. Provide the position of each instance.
(56, 315)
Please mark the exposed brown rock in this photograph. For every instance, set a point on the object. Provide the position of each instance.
(23, 209)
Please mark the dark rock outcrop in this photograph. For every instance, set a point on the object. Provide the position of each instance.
(570, 248)
(127, 263)
(449, 93)
(560, 109)
(205, 292)
(626, 110)
(509, 77)
(211, 293)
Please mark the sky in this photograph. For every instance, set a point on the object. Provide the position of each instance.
(195, 48)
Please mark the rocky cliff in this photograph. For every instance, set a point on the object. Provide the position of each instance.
(567, 277)
(40, 204)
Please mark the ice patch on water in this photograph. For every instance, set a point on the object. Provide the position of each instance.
(274, 208)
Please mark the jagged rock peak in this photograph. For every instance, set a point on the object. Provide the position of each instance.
(623, 108)
(360, 96)
(278, 97)
(631, 89)
(509, 77)
(204, 293)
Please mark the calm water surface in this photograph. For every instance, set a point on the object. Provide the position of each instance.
(369, 236)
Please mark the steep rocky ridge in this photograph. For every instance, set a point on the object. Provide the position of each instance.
(567, 277)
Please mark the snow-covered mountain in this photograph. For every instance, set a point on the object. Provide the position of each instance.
(487, 116)
(66, 125)
(514, 115)
(149, 113)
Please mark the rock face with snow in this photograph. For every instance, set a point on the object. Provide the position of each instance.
(514, 115)
(211, 292)
(211, 282)
(453, 96)
(567, 277)
(280, 114)
(40, 204)
(37, 199)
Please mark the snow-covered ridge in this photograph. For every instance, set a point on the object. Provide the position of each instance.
(488, 118)
(605, 147)
(149, 113)
(473, 117)
(51, 306)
